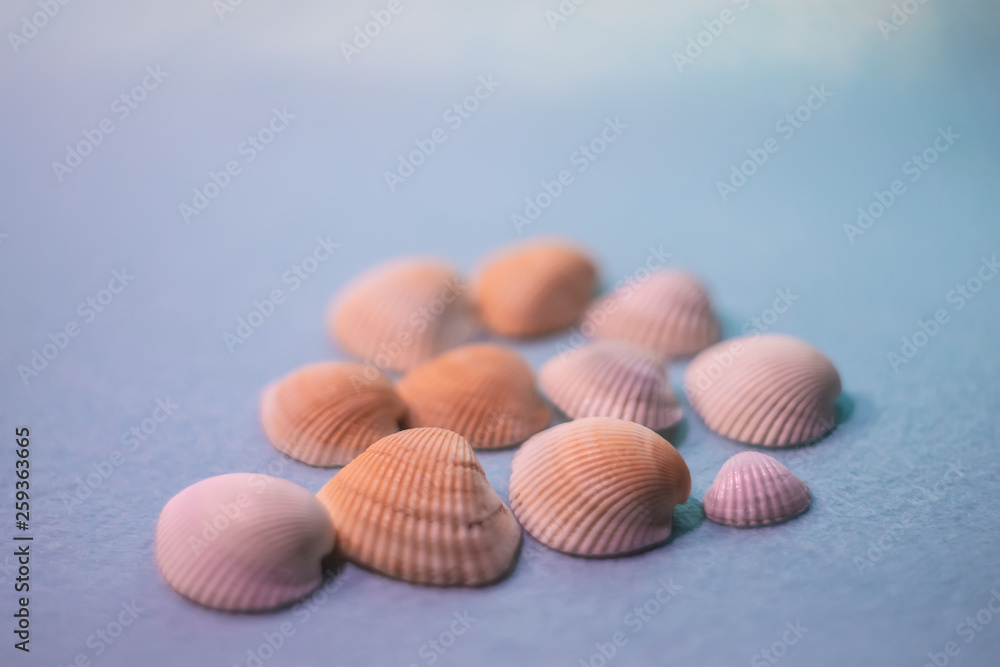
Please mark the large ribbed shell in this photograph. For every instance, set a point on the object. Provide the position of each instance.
(752, 489)
(243, 542)
(486, 393)
(598, 487)
(402, 313)
(669, 314)
(534, 288)
(768, 390)
(325, 414)
(416, 506)
(610, 379)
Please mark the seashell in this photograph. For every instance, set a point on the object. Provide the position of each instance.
(486, 393)
(768, 390)
(416, 506)
(611, 379)
(402, 313)
(534, 288)
(325, 414)
(752, 489)
(598, 487)
(668, 314)
(243, 542)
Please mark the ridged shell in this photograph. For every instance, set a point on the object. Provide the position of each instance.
(402, 313)
(598, 487)
(610, 379)
(486, 393)
(768, 390)
(243, 542)
(416, 506)
(669, 314)
(752, 489)
(325, 414)
(534, 288)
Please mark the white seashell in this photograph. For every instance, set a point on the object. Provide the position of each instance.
(610, 379)
(598, 487)
(243, 542)
(752, 489)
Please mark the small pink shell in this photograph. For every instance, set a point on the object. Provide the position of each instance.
(243, 542)
(669, 314)
(610, 379)
(768, 390)
(752, 489)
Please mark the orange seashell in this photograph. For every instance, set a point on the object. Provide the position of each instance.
(325, 414)
(768, 390)
(486, 393)
(243, 542)
(416, 506)
(611, 379)
(598, 487)
(534, 288)
(402, 313)
(669, 314)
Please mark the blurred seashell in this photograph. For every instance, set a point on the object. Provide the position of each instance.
(486, 393)
(598, 487)
(611, 379)
(243, 542)
(416, 505)
(768, 390)
(402, 313)
(668, 314)
(752, 489)
(534, 288)
(325, 414)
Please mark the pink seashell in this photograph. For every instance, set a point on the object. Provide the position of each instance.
(611, 379)
(402, 313)
(752, 489)
(768, 390)
(668, 314)
(243, 542)
(598, 487)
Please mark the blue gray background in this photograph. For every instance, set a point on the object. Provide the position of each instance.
(879, 479)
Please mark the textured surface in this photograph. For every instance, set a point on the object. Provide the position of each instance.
(886, 474)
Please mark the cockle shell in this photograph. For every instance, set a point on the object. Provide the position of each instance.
(768, 390)
(486, 393)
(243, 542)
(416, 506)
(668, 313)
(752, 489)
(610, 379)
(402, 313)
(598, 487)
(325, 414)
(534, 288)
